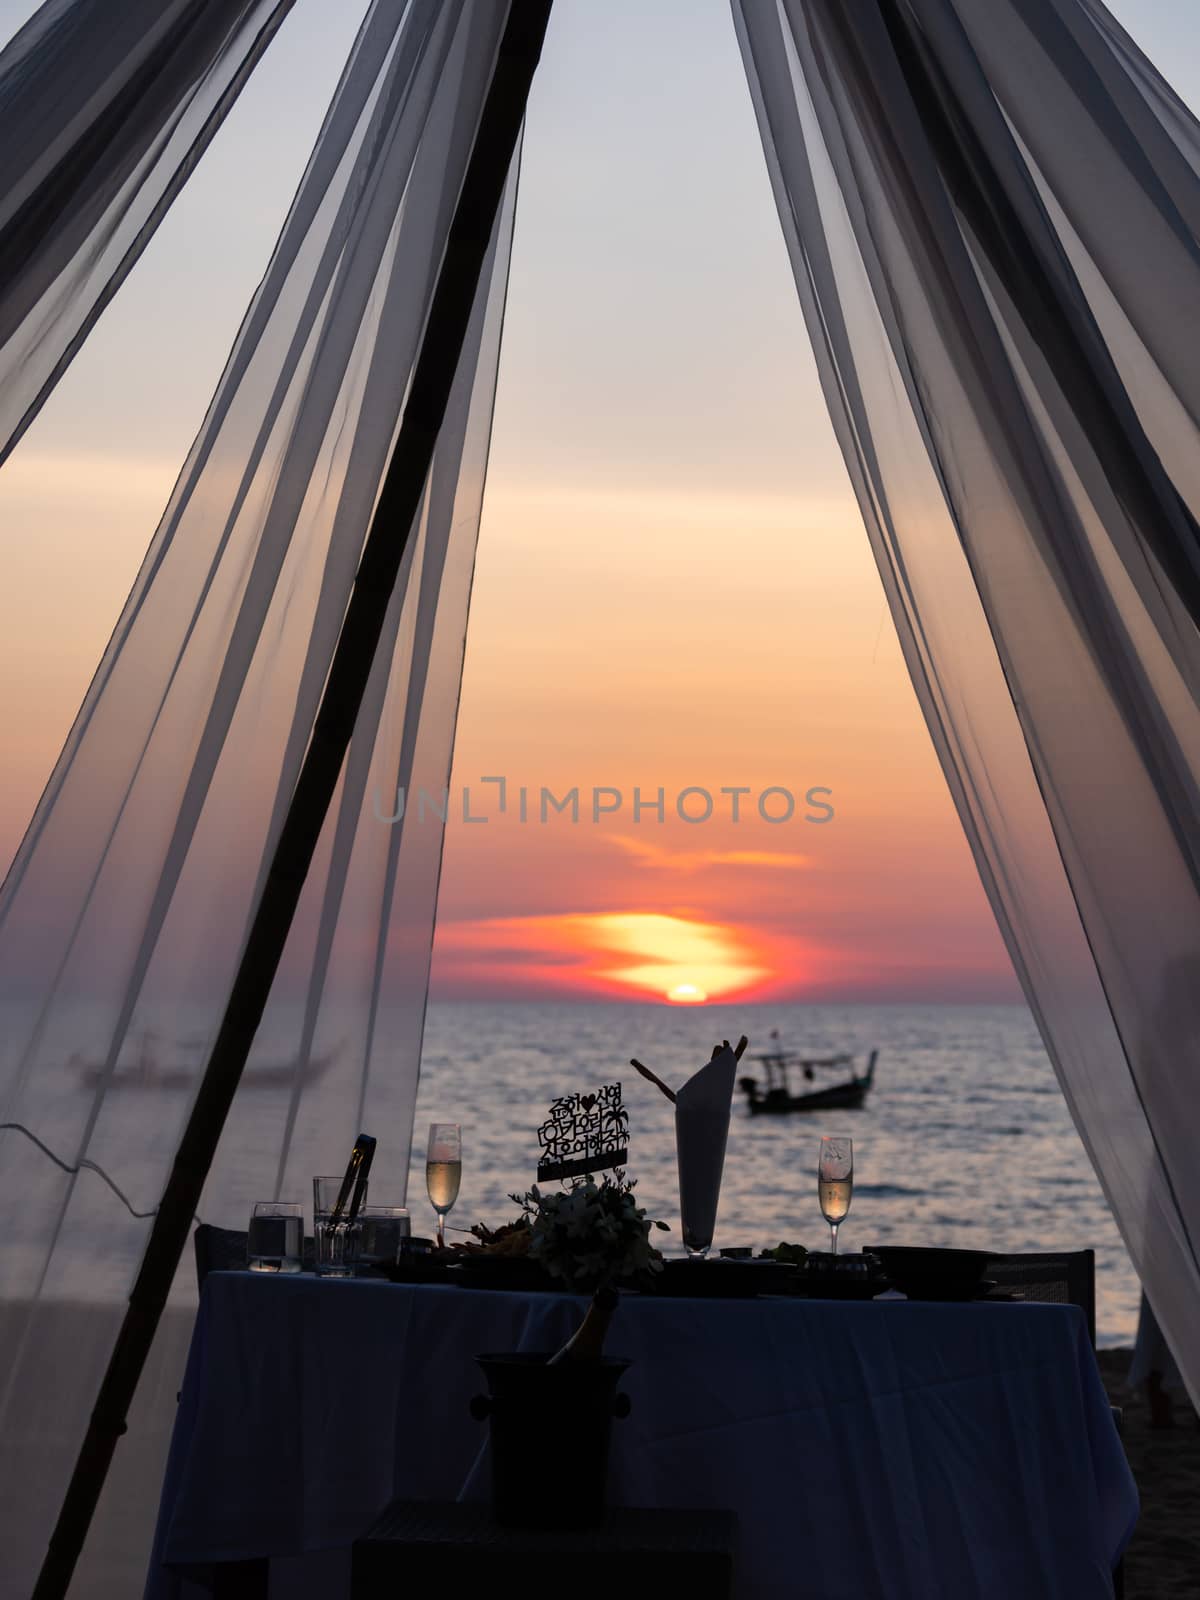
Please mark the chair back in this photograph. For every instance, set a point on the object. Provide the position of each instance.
(217, 1250)
(1066, 1277)
(1059, 1277)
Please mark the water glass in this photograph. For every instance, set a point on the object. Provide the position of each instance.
(383, 1227)
(275, 1238)
(336, 1243)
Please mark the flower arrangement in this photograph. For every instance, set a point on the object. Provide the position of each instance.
(591, 1235)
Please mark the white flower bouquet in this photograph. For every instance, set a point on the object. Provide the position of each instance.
(592, 1235)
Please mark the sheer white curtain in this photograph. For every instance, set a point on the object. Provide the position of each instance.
(992, 211)
(104, 112)
(123, 916)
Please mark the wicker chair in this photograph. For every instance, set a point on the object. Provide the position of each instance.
(224, 1250)
(1060, 1277)
(1065, 1278)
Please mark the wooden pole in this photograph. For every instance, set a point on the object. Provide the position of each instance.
(399, 501)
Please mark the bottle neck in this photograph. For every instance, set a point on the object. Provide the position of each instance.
(587, 1342)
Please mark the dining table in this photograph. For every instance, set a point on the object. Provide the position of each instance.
(871, 1450)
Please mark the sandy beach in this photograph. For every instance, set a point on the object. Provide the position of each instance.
(1163, 1559)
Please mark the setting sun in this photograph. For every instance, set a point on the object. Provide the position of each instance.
(615, 954)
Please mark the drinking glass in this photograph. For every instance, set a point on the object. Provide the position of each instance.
(443, 1171)
(697, 1245)
(835, 1181)
(275, 1238)
(336, 1242)
(383, 1227)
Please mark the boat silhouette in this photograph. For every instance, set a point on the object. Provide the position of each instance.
(150, 1072)
(773, 1097)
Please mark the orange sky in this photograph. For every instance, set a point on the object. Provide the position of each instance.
(677, 641)
(673, 588)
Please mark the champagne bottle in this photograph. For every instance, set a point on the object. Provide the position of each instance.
(587, 1342)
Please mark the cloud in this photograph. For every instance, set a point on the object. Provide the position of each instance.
(656, 858)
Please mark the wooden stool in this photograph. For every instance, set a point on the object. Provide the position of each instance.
(639, 1553)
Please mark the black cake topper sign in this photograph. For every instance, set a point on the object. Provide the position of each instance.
(584, 1133)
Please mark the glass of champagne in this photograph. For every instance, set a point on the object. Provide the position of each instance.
(443, 1171)
(835, 1181)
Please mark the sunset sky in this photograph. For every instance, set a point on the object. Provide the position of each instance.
(673, 589)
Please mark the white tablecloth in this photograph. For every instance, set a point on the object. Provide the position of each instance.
(870, 1450)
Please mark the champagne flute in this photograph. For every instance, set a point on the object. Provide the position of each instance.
(443, 1171)
(835, 1181)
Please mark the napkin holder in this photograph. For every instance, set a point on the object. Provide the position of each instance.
(702, 1109)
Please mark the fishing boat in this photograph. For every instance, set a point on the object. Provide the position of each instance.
(149, 1072)
(773, 1096)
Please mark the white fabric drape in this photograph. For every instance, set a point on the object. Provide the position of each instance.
(993, 213)
(123, 915)
(104, 112)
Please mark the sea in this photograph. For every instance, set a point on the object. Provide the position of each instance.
(965, 1139)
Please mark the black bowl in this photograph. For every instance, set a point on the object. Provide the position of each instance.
(925, 1274)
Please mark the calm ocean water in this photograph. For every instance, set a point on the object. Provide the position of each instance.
(965, 1139)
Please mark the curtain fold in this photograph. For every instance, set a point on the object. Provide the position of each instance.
(125, 910)
(104, 112)
(991, 210)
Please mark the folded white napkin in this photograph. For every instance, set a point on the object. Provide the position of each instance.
(701, 1129)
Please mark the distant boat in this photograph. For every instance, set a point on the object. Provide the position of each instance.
(773, 1097)
(148, 1072)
